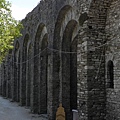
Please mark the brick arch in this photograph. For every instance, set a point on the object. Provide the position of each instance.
(23, 70)
(39, 101)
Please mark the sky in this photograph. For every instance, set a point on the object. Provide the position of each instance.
(21, 7)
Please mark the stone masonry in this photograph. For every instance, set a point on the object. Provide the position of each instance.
(68, 53)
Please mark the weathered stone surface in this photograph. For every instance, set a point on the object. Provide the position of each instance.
(63, 57)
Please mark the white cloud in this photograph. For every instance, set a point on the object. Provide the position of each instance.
(18, 12)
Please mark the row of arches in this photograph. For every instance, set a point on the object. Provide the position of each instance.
(44, 73)
(30, 66)
(25, 90)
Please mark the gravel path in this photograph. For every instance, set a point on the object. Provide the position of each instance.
(11, 111)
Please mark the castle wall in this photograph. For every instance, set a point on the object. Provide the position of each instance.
(62, 57)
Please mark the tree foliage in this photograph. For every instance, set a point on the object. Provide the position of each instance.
(9, 28)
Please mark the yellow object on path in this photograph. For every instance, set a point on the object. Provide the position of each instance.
(60, 114)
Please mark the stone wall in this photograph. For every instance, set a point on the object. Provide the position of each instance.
(112, 54)
(62, 57)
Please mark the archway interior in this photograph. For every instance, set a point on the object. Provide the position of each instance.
(36, 70)
(43, 74)
(16, 74)
(69, 68)
(29, 76)
(65, 63)
(110, 74)
(24, 68)
(40, 71)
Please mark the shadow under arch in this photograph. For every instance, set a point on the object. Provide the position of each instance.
(23, 70)
(28, 75)
(62, 42)
(39, 101)
(43, 75)
(69, 69)
(16, 80)
(110, 74)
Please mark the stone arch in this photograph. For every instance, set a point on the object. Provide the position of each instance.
(110, 74)
(66, 29)
(69, 83)
(63, 14)
(43, 74)
(24, 68)
(60, 19)
(56, 56)
(16, 72)
(39, 96)
(28, 75)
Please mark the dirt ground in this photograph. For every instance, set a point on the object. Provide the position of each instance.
(12, 111)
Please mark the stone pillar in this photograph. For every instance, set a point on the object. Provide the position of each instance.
(28, 78)
(82, 85)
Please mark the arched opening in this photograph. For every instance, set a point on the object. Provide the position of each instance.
(110, 74)
(69, 69)
(16, 79)
(73, 74)
(36, 72)
(65, 63)
(29, 76)
(40, 79)
(24, 64)
(43, 74)
(56, 57)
